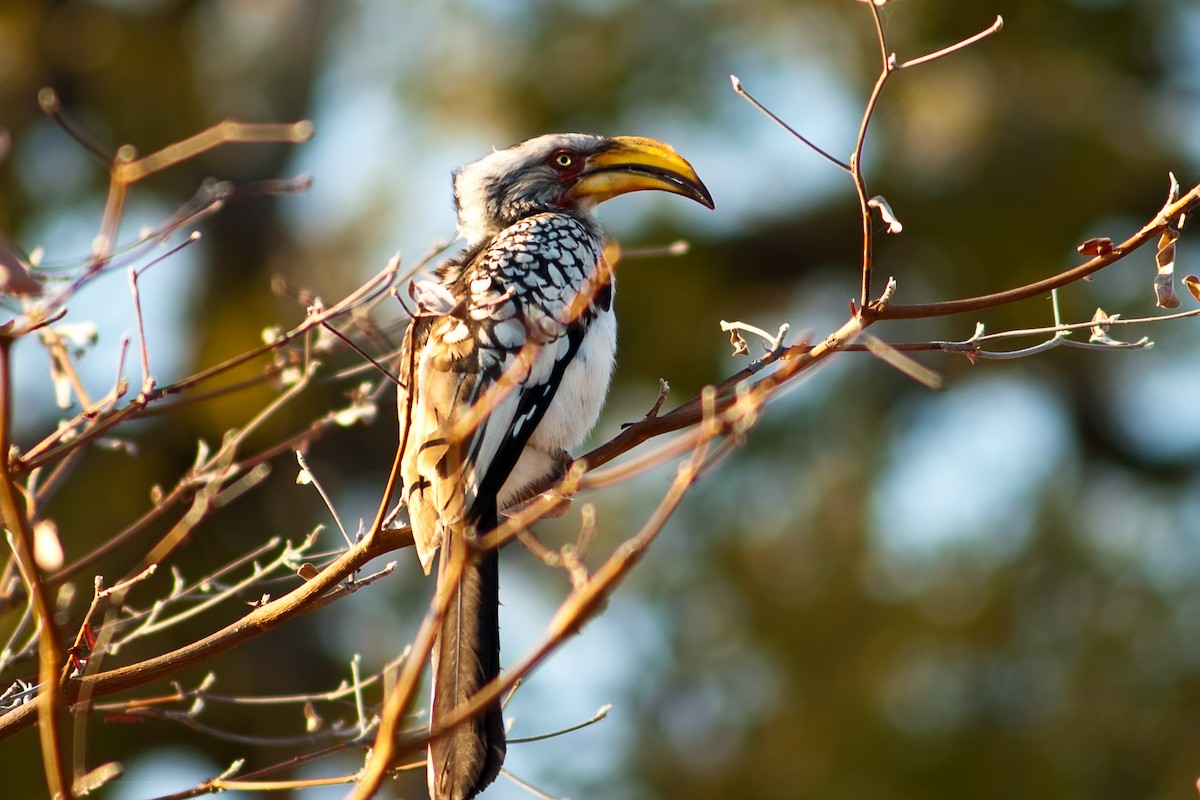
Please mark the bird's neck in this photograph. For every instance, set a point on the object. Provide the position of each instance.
(480, 234)
(480, 224)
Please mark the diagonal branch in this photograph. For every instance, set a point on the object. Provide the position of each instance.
(1186, 204)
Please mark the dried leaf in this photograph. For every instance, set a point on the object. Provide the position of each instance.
(327, 341)
(885, 212)
(203, 451)
(16, 277)
(312, 721)
(1101, 321)
(62, 385)
(739, 344)
(364, 412)
(432, 297)
(1164, 280)
(1193, 285)
(1097, 246)
(117, 445)
(80, 334)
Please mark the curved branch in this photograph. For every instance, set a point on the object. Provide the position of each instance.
(1184, 205)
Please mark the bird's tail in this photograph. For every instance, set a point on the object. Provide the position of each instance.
(466, 657)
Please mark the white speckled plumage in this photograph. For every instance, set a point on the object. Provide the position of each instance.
(453, 371)
(524, 325)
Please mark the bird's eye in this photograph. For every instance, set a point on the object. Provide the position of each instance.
(563, 160)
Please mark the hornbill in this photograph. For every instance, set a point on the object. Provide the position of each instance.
(524, 325)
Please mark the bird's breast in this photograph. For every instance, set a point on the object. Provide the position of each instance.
(576, 406)
(572, 412)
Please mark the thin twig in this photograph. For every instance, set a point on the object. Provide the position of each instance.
(856, 169)
(1185, 204)
(307, 476)
(533, 790)
(308, 596)
(601, 714)
(49, 701)
(387, 373)
(579, 606)
(954, 48)
(134, 273)
(741, 90)
(387, 747)
(51, 106)
(322, 588)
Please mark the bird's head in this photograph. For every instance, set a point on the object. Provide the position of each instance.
(565, 171)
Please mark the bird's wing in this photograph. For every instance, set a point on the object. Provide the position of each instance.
(439, 369)
(526, 306)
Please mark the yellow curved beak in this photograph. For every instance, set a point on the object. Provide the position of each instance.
(634, 164)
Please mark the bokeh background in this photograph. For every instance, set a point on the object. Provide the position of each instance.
(987, 591)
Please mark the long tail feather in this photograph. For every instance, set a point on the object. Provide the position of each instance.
(467, 656)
